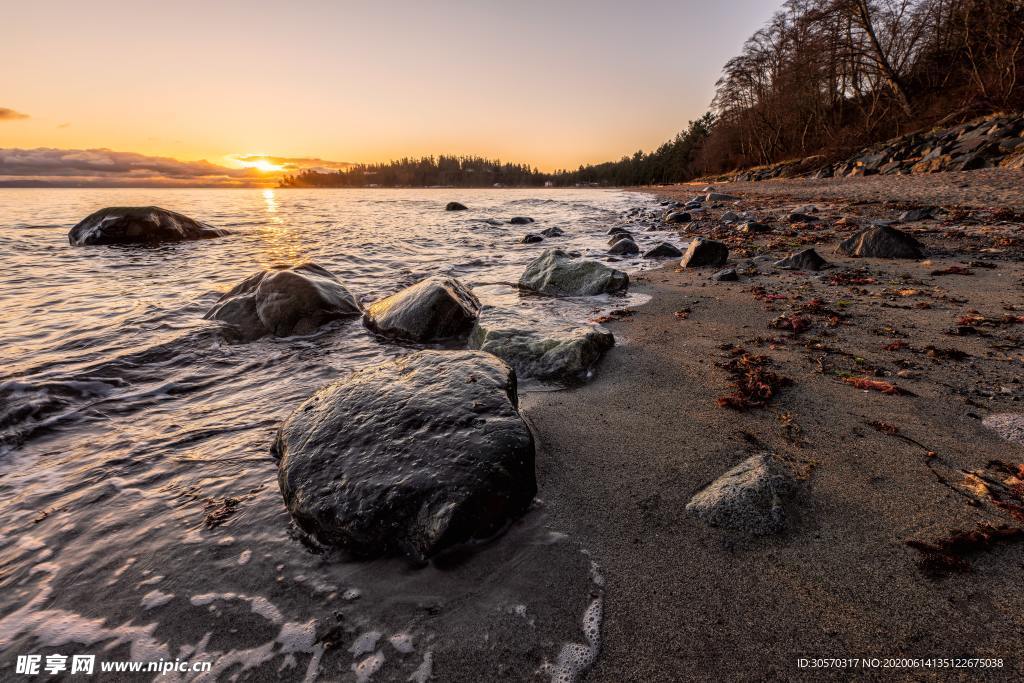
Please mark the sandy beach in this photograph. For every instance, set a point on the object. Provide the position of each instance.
(893, 367)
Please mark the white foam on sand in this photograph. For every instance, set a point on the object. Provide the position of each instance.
(575, 659)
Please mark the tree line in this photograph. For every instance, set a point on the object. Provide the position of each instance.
(822, 77)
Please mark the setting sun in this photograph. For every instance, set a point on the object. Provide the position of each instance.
(263, 165)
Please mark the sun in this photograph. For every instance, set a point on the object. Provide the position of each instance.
(260, 164)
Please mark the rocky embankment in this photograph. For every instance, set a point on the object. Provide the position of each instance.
(991, 142)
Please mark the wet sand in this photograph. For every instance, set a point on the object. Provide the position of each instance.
(619, 458)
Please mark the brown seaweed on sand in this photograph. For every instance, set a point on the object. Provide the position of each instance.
(868, 384)
(946, 555)
(753, 383)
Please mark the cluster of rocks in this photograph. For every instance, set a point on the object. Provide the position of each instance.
(989, 142)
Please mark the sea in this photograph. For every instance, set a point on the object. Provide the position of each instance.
(140, 517)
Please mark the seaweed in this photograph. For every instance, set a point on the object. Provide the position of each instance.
(952, 270)
(754, 385)
(217, 512)
(950, 554)
(868, 384)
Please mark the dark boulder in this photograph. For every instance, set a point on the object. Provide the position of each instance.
(916, 215)
(808, 259)
(619, 236)
(430, 310)
(704, 252)
(881, 241)
(624, 247)
(412, 456)
(530, 238)
(618, 231)
(548, 350)
(798, 217)
(555, 273)
(455, 206)
(552, 232)
(521, 220)
(284, 301)
(139, 225)
(753, 227)
(678, 217)
(663, 250)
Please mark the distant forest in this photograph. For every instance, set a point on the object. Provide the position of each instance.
(823, 77)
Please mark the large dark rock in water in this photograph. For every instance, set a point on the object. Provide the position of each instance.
(455, 206)
(704, 252)
(881, 241)
(548, 350)
(808, 259)
(556, 274)
(411, 456)
(432, 309)
(139, 225)
(521, 220)
(284, 301)
(624, 246)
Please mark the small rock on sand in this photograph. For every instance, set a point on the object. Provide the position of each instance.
(749, 498)
(663, 250)
(726, 275)
(808, 259)
(881, 241)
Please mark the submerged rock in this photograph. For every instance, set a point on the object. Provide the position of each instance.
(530, 238)
(663, 250)
(749, 498)
(881, 241)
(284, 301)
(139, 225)
(411, 456)
(556, 274)
(618, 231)
(619, 236)
(455, 206)
(521, 220)
(545, 350)
(552, 232)
(432, 309)
(704, 252)
(624, 246)
(808, 259)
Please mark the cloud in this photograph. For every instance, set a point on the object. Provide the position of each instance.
(11, 115)
(107, 168)
(293, 164)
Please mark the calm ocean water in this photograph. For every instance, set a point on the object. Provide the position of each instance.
(126, 419)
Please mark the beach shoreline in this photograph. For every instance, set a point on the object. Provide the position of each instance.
(619, 458)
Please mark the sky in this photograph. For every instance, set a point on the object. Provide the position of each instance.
(223, 92)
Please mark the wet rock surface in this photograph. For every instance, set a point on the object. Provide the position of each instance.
(139, 225)
(624, 246)
(455, 206)
(881, 241)
(555, 273)
(433, 309)
(704, 252)
(750, 498)
(284, 301)
(411, 456)
(663, 250)
(547, 350)
(521, 220)
(530, 238)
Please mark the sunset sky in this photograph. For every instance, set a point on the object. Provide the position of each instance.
(553, 84)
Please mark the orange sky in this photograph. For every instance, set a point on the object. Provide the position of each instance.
(554, 84)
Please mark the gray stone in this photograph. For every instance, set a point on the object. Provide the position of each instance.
(618, 231)
(139, 225)
(432, 309)
(552, 232)
(720, 197)
(663, 250)
(881, 241)
(704, 252)
(284, 301)
(619, 236)
(556, 274)
(623, 247)
(678, 217)
(726, 275)
(1009, 426)
(545, 350)
(530, 238)
(411, 456)
(916, 215)
(750, 498)
(808, 259)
